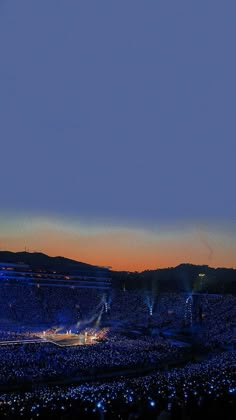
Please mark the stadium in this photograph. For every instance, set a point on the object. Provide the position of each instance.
(79, 341)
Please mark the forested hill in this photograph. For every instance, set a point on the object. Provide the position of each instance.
(184, 277)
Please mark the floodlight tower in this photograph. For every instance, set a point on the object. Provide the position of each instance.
(201, 278)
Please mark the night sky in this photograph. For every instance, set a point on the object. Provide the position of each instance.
(117, 130)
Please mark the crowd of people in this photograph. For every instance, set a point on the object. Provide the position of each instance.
(28, 306)
(168, 392)
(207, 387)
(45, 361)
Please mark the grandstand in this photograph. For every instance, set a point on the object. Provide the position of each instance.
(65, 276)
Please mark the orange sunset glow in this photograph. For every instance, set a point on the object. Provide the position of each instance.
(131, 249)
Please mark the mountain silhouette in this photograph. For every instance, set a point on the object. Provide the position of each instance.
(38, 259)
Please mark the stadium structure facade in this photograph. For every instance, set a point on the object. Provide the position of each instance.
(68, 276)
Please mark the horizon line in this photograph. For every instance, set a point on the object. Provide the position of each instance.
(110, 268)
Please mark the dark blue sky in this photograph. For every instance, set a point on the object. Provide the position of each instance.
(119, 110)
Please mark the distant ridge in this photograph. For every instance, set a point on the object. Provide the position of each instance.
(39, 258)
(36, 259)
(182, 278)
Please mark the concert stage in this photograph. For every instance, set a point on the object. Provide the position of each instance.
(63, 340)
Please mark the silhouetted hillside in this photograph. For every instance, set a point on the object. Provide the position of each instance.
(38, 259)
(184, 277)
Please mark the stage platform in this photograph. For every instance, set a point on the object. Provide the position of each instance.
(69, 339)
(61, 340)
